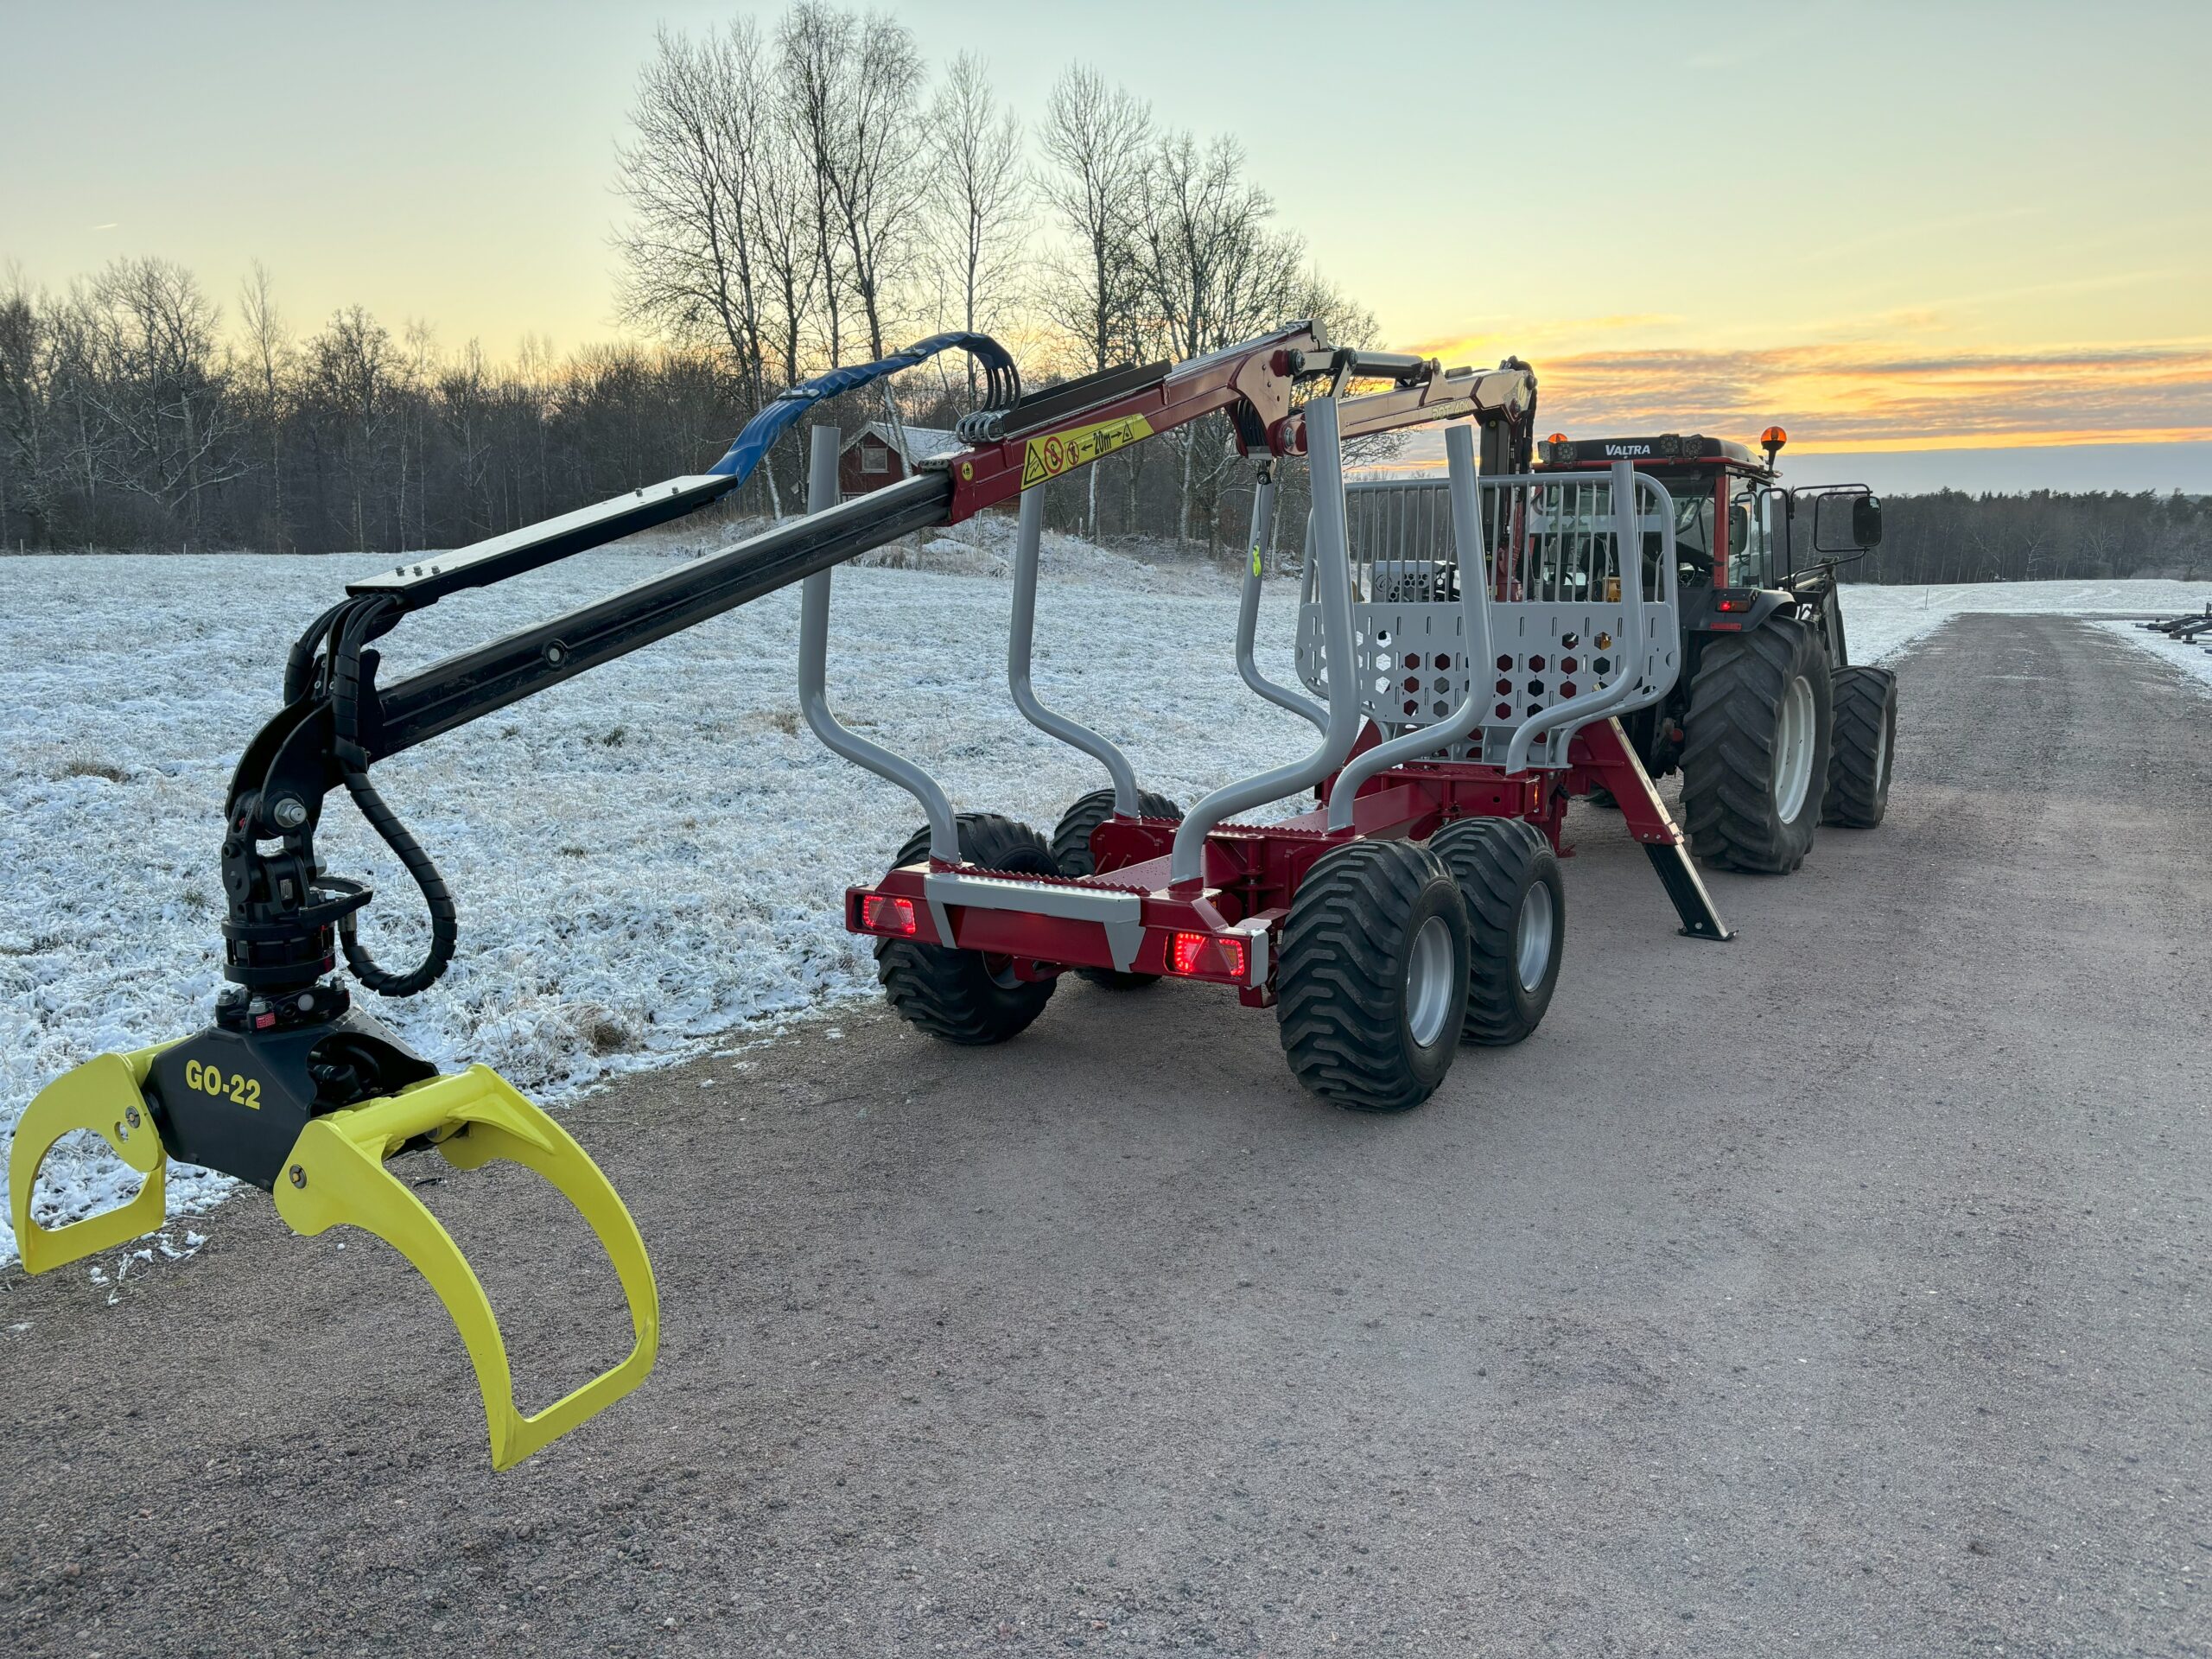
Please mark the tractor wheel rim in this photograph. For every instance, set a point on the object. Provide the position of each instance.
(1793, 750)
(1882, 756)
(1532, 937)
(1429, 986)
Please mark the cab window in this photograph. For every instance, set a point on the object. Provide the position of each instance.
(1747, 539)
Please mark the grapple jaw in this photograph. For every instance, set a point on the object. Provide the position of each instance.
(336, 1177)
(325, 1168)
(107, 1096)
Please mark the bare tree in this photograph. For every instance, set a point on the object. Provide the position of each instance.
(690, 254)
(1095, 139)
(978, 198)
(268, 360)
(851, 88)
(1208, 267)
(155, 379)
(26, 408)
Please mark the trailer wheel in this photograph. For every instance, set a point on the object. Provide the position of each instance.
(1755, 766)
(1517, 920)
(1372, 986)
(966, 996)
(1071, 851)
(1862, 749)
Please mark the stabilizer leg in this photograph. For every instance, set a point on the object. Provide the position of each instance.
(1686, 888)
(105, 1096)
(336, 1177)
(1604, 748)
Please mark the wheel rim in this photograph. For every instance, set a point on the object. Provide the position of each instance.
(1532, 937)
(1429, 986)
(1793, 750)
(1882, 756)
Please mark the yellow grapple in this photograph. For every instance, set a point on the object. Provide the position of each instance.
(336, 1176)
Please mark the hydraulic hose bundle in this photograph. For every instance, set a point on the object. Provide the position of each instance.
(333, 671)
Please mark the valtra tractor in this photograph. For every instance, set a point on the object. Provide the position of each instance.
(1772, 727)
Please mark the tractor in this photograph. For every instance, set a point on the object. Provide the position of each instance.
(1773, 729)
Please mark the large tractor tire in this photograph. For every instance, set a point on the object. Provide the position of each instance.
(1516, 916)
(1372, 984)
(1755, 768)
(1862, 747)
(966, 996)
(1072, 852)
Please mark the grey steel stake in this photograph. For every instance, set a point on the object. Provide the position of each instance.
(813, 659)
(1331, 559)
(1474, 638)
(1628, 542)
(1248, 611)
(1028, 536)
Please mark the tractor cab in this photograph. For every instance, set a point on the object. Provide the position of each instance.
(1746, 545)
(1768, 698)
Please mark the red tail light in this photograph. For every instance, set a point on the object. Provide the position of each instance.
(1214, 955)
(882, 912)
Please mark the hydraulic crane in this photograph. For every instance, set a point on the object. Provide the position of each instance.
(296, 1088)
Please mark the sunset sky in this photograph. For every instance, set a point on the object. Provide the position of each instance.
(1953, 244)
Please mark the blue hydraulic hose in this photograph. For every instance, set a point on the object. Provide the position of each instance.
(772, 423)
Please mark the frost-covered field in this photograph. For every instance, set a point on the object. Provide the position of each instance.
(648, 861)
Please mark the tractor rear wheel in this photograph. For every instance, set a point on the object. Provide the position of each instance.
(1371, 986)
(1072, 852)
(1865, 731)
(1755, 766)
(966, 996)
(1517, 919)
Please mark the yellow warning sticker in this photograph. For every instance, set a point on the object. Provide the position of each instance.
(1256, 559)
(1048, 457)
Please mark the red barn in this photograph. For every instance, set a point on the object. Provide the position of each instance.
(873, 456)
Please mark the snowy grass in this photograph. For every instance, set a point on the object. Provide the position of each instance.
(648, 861)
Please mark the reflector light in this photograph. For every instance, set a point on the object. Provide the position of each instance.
(881, 913)
(1213, 954)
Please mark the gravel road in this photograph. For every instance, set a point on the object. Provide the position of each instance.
(1839, 1291)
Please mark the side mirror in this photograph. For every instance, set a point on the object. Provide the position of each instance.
(1846, 520)
(1867, 521)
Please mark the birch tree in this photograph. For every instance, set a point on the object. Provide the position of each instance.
(978, 197)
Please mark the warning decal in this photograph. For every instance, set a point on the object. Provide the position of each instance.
(1048, 457)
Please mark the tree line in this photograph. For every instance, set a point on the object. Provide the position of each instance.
(2041, 536)
(798, 195)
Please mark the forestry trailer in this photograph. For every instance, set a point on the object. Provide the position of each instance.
(1419, 906)
(1771, 726)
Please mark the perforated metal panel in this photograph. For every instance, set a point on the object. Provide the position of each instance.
(1557, 619)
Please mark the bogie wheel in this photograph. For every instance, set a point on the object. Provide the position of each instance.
(1863, 748)
(1071, 851)
(966, 996)
(1755, 767)
(1372, 984)
(1516, 916)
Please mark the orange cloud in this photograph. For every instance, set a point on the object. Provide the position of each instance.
(1855, 395)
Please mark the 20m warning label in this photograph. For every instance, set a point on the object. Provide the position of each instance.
(1049, 457)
